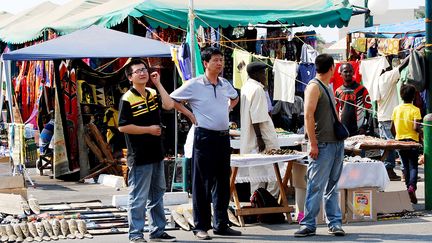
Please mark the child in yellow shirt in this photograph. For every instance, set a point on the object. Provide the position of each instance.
(406, 120)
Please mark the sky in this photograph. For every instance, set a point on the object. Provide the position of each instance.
(329, 34)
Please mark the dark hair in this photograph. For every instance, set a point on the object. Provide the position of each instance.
(128, 67)
(407, 93)
(207, 53)
(323, 63)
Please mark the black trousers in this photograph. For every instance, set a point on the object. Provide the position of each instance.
(210, 179)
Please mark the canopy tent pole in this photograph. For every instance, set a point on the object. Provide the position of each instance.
(7, 70)
(192, 37)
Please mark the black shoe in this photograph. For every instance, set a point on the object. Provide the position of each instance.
(164, 237)
(304, 231)
(392, 175)
(227, 231)
(336, 230)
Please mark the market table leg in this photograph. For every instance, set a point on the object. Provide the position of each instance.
(283, 195)
(234, 195)
(385, 154)
(286, 178)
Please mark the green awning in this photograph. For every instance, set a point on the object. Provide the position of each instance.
(325, 13)
(233, 13)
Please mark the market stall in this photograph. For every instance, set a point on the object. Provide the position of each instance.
(93, 42)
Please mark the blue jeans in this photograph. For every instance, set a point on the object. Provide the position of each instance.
(146, 190)
(323, 174)
(385, 133)
(409, 159)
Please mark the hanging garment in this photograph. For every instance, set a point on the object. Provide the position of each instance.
(371, 69)
(387, 98)
(291, 51)
(69, 95)
(359, 44)
(60, 159)
(285, 73)
(17, 146)
(185, 61)
(306, 72)
(308, 54)
(392, 47)
(241, 60)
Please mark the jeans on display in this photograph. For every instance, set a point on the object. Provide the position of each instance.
(385, 133)
(323, 175)
(211, 178)
(146, 189)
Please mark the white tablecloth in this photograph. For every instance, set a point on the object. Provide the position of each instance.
(283, 140)
(364, 174)
(266, 171)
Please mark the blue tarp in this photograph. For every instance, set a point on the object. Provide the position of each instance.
(93, 42)
(412, 26)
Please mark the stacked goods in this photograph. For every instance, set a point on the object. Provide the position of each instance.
(281, 151)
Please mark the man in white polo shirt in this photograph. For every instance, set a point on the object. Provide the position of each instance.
(211, 98)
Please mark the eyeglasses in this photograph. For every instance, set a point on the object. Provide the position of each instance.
(140, 71)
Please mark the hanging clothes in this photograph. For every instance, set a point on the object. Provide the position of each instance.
(240, 60)
(371, 69)
(291, 51)
(359, 44)
(392, 47)
(174, 55)
(387, 98)
(306, 72)
(285, 73)
(308, 54)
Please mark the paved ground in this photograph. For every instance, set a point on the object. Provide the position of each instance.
(417, 229)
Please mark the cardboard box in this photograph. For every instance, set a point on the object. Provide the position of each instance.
(4, 159)
(321, 218)
(17, 191)
(393, 202)
(300, 195)
(299, 175)
(8, 182)
(361, 204)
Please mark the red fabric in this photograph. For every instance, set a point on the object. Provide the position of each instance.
(337, 80)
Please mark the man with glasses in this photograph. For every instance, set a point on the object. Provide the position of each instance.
(139, 120)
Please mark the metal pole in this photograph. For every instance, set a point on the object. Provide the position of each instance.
(130, 25)
(192, 37)
(428, 118)
(368, 16)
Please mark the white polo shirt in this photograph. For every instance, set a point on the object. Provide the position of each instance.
(210, 104)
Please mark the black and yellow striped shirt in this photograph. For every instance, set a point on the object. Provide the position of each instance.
(141, 111)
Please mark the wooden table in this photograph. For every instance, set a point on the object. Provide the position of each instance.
(386, 145)
(248, 160)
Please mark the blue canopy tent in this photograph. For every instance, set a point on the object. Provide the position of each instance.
(412, 27)
(93, 42)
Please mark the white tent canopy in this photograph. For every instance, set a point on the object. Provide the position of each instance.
(32, 27)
